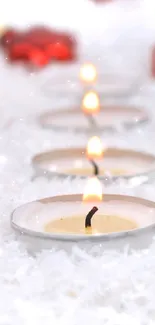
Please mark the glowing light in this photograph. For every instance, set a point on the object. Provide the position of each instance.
(94, 148)
(88, 73)
(93, 190)
(91, 103)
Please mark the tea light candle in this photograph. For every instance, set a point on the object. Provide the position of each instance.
(112, 163)
(92, 222)
(94, 151)
(64, 220)
(93, 116)
(90, 102)
(91, 106)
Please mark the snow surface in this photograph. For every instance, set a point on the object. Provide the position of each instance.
(55, 287)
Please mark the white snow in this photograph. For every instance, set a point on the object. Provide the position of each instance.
(55, 287)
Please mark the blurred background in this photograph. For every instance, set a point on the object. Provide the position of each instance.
(128, 24)
(118, 36)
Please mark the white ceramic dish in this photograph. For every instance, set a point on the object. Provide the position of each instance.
(30, 219)
(133, 166)
(109, 119)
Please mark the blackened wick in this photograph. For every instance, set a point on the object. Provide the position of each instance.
(89, 217)
(95, 167)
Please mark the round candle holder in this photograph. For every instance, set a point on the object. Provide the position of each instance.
(117, 164)
(107, 85)
(109, 119)
(30, 222)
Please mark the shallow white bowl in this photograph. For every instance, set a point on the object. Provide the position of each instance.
(109, 119)
(139, 167)
(30, 219)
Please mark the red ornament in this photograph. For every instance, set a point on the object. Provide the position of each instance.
(19, 51)
(8, 37)
(37, 57)
(40, 37)
(39, 45)
(58, 51)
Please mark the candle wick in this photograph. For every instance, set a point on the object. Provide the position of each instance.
(89, 217)
(95, 166)
(91, 119)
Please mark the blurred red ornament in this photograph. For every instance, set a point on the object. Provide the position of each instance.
(39, 45)
(58, 51)
(19, 51)
(7, 38)
(38, 58)
(40, 36)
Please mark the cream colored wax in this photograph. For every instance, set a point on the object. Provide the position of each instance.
(100, 224)
(89, 171)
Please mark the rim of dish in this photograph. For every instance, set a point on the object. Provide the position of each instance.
(105, 178)
(79, 237)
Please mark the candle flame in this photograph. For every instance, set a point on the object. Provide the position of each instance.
(93, 190)
(91, 103)
(94, 148)
(88, 73)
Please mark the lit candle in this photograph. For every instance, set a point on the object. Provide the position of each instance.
(86, 219)
(111, 162)
(95, 148)
(93, 190)
(94, 151)
(85, 223)
(91, 103)
(91, 106)
(92, 196)
(101, 165)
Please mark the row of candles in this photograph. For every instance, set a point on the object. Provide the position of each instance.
(57, 216)
(91, 106)
(93, 196)
(90, 102)
(94, 152)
